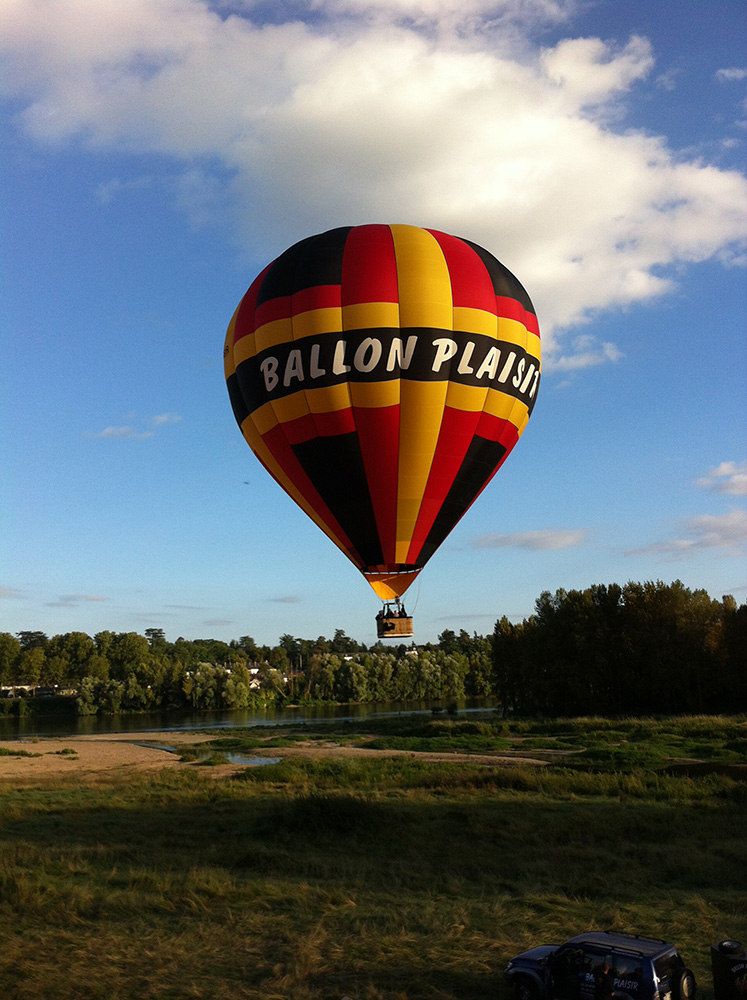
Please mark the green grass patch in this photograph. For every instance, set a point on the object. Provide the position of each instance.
(6, 752)
(372, 878)
(441, 744)
(590, 743)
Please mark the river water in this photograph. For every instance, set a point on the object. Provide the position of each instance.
(168, 722)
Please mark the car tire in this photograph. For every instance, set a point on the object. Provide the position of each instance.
(684, 985)
(525, 989)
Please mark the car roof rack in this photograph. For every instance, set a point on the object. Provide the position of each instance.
(639, 937)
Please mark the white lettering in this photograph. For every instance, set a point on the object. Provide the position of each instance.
(445, 349)
(534, 384)
(338, 362)
(464, 367)
(527, 379)
(516, 380)
(314, 370)
(293, 368)
(360, 362)
(507, 367)
(269, 369)
(490, 364)
(396, 355)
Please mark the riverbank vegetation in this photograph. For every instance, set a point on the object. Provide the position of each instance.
(607, 650)
(372, 878)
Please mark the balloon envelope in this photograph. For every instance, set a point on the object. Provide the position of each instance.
(382, 374)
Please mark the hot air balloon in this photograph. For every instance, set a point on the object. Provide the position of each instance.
(382, 374)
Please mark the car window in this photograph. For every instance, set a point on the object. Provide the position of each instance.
(628, 968)
(665, 965)
(593, 959)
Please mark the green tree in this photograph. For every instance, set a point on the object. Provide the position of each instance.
(10, 650)
(505, 665)
(30, 666)
(97, 695)
(86, 702)
(342, 643)
(292, 647)
(454, 670)
(156, 640)
(379, 667)
(237, 692)
(426, 676)
(73, 656)
(32, 640)
(127, 652)
(278, 659)
(447, 641)
(249, 648)
(351, 682)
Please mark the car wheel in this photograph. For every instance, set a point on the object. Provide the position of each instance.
(525, 989)
(684, 987)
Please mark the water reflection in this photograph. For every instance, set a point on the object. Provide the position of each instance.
(240, 758)
(171, 722)
(231, 757)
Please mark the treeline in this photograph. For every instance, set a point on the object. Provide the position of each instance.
(611, 650)
(127, 672)
(607, 650)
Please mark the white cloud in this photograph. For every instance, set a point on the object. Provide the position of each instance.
(588, 71)
(729, 75)
(107, 192)
(585, 352)
(437, 112)
(289, 599)
(83, 597)
(707, 531)
(728, 477)
(668, 80)
(71, 600)
(10, 593)
(165, 418)
(128, 431)
(120, 432)
(535, 540)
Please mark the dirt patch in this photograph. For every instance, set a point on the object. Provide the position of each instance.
(92, 754)
(113, 752)
(315, 751)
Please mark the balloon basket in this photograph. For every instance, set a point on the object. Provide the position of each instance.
(393, 623)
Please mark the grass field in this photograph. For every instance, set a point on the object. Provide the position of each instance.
(373, 879)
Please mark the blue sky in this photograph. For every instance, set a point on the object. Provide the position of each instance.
(158, 153)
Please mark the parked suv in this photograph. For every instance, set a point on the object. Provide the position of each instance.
(642, 969)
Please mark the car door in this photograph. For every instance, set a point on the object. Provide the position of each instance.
(565, 969)
(592, 960)
(628, 974)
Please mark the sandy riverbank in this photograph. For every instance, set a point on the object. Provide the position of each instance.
(116, 752)
(51, 756)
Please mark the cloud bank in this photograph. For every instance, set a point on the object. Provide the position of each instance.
(726, 532)
(437, 112)
(558, 538)
(10, 593)
(128, 431)
(72, 600)
(729, 478)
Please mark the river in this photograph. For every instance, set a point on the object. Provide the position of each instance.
(13, 727)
